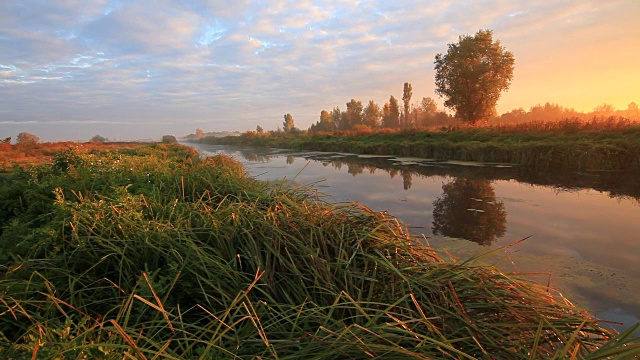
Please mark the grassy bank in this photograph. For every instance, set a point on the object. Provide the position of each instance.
(155, 253)
(600, 144)
(42, 153)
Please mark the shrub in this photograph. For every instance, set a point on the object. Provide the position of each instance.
(25, 138)
(169, 139)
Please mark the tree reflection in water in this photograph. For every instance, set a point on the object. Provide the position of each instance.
(355, 169)
(290, 159)
(468, 209)
(253, 156)
(406, 179)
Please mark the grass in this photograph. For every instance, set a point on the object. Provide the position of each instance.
(601, 144)
(155, 253)
(42, 153)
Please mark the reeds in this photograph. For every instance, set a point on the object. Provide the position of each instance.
(169, 256)
(600, 144)
(570, 125)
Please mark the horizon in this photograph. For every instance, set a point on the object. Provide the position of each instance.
(143, 69)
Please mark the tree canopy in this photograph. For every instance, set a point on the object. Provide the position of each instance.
(353, 115)
(325, 124)
(288, 125)
(371, 114)
(391, 113)
(27, 138)
(169, 139)
(407, 92)
(472, 74)
(98, 138)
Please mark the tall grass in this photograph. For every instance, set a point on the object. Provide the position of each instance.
(571, 125)
(156, 253)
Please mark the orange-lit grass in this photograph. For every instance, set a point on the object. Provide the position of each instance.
(43, 153)
(573, 125)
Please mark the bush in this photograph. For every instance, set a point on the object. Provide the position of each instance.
(27, 138)
(169, 139)
(98, 138)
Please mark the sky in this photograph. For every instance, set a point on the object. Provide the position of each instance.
(128, 70)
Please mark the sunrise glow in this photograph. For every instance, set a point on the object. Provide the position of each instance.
(139, 69)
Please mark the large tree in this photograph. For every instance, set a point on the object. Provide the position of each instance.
(391, 114)
(353, 115)
(288, 123)
(325, 124)
(336, 118)
(427, 111)
(472, 74)
(407, 92)
(27, 138)
(371, 114)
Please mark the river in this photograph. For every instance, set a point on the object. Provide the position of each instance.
(581, 231)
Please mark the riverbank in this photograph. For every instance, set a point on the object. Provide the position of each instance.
(155, 252)
(599, 145)
(42, 153)
(589, 257)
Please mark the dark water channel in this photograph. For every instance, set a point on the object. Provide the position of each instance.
(582, 229)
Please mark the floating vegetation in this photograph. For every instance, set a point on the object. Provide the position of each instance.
(157, 253)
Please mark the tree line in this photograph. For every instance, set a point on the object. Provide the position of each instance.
(554, 112)
(470, 78)
(391, 115)
(357, 116)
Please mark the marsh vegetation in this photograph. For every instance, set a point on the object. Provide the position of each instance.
(572, 144)
(155, 252)
(579, 226)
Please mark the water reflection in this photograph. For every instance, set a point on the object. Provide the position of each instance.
(469, 209)
(406, 179)
(355, 169)
(588, 241)
(620, 185)
(253, 156)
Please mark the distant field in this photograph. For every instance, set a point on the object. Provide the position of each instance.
(42, 153)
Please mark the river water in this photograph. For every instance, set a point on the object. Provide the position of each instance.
(581, 230)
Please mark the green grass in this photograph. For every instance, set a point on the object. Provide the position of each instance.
(155, 253)
(572, 144)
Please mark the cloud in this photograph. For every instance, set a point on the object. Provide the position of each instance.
(135, 29)
(231, 65)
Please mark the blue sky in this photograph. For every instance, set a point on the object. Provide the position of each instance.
(71, 69)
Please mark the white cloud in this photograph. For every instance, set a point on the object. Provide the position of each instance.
(237, 63)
